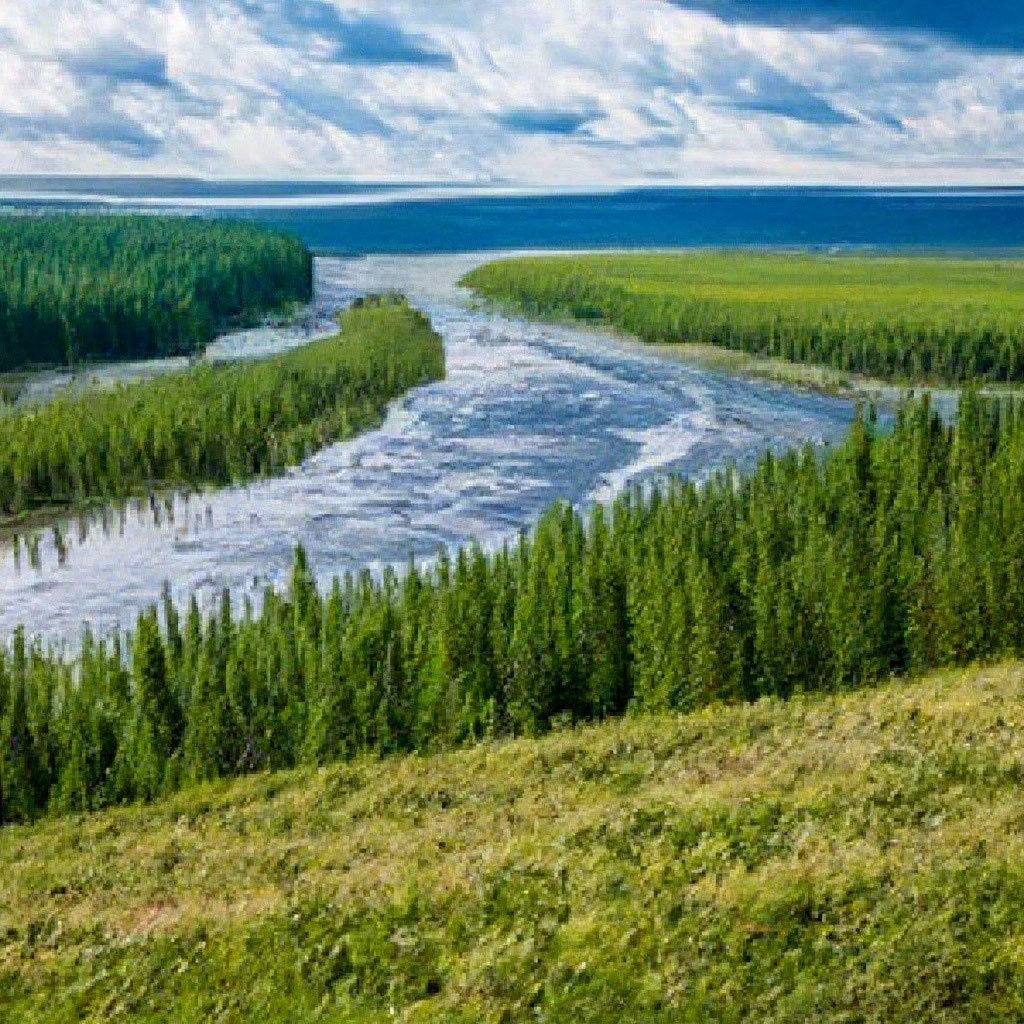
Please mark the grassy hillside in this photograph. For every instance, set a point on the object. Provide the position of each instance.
(904, 318)
(851, 858)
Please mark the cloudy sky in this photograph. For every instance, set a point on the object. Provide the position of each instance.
(547, 92)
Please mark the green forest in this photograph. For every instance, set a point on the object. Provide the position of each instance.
(940, 320)
(82, 287)
(678, 757)
(897, 552)
(215, 423)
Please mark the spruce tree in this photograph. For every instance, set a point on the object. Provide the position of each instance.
(159, 723)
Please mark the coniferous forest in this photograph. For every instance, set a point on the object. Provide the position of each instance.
(512, 512)
(76, 288)
(896, 552)
(216, 423)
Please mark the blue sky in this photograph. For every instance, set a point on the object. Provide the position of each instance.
(562, 93)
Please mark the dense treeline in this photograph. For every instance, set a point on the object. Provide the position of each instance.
(896, 552)
(92, 287)
(945, 320)
(216, 423)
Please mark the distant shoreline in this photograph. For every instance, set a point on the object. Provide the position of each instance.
(356, 219)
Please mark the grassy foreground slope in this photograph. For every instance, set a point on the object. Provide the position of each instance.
(850, 858)
(76, 287)
(905, 318)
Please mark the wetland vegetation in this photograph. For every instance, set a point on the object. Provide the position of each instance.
(905, 319)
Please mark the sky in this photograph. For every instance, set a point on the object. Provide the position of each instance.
(545, 93)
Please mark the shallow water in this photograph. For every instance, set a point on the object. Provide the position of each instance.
(529, 414)
(311, 323)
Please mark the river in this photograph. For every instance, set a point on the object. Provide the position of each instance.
(528, 414)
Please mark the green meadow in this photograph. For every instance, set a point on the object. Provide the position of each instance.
(906, 318)
(844, 858)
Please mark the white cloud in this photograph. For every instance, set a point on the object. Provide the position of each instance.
(576, 93)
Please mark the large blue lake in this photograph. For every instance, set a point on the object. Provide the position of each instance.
(354, 219)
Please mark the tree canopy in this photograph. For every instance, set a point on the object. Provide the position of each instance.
(895, 552)
(80, 287)
(216, 423)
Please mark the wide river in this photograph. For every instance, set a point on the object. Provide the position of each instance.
(529, 414)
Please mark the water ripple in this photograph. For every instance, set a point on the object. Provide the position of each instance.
(529, 414)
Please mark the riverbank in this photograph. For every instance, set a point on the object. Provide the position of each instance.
(214, 424)
(854, 321)
(527, 415)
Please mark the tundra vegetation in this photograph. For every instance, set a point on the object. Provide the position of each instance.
(850, 857)
(907, 318)
(215, 423)
(83, 287)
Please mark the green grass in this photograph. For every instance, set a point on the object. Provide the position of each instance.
(851, 858)
(930, 319)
